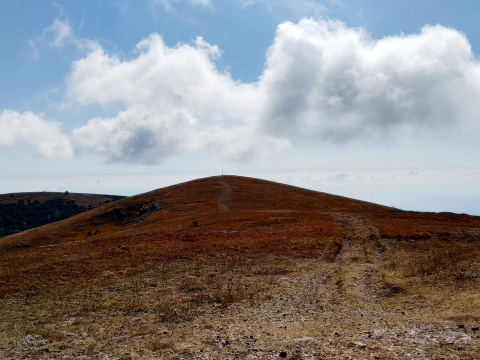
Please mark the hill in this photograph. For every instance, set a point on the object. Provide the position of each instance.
(234, 267)
(23, 211)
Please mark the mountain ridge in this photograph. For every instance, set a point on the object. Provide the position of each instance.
(203, 196)
(235, 267)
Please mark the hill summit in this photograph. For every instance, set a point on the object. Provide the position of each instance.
(224, 201)
(235, 267)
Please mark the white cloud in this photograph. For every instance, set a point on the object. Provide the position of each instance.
(140, 136)
(175, 100)
(169, 4)
(327, 81)
(296, 8)
(32, 129)
(322, 81)
(61, 31)
(160, 76)
(206, 3)
(59, 34)
(338, 177)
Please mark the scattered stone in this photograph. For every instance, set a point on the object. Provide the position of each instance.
(457, 338)
(32, 340)
(358, 344)
(304, 339)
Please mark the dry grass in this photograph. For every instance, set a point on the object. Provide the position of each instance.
(271, 269)
(431, 257)
(164, 298)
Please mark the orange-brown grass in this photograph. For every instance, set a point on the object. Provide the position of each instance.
(416, 226)
(84, 260)
(431, 257)
(230, 265)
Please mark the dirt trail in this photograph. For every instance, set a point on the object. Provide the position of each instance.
(222, 197)
(356, 270)
(361, 240)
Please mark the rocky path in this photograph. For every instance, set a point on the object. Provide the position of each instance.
(359, 260)
(224, 194)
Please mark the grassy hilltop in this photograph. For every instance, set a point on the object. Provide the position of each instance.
(239, 268)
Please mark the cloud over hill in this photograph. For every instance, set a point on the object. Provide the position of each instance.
(322, 82)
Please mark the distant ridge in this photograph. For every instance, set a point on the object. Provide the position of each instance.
(23, 211)
(81, 199)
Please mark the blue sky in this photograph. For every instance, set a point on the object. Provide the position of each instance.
(374, 100)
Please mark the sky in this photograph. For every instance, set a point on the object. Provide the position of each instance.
(375, 100)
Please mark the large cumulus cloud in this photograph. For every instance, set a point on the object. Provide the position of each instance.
(175, 101)
(322, 81)
(327, 81)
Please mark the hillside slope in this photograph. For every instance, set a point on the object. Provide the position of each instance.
(233, 267)
(211, 201)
